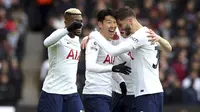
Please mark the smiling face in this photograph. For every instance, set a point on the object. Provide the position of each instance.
(70, 19)
(71, 15)
(108, 26)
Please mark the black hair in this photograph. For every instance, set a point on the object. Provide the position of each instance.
(125, 12)
(105, 12)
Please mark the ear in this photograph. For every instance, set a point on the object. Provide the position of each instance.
(65, 23)
(100, 25)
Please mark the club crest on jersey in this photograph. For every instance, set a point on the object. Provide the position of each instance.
(74, 55)
(94, 46)
(109, 59)
(95, 43)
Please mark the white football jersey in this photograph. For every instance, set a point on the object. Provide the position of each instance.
(145, 64)
(98, 70)
(63, 60)
(129, 81)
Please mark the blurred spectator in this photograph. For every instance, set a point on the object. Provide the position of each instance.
(191, 88)
(165, 29)
(179, 65)
(172, 88)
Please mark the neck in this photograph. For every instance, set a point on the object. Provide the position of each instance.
(71, 35)
(136, 27)
(107, 38)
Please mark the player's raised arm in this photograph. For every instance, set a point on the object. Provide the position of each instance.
(164, 44)
(58, 34)
(123, 47)
(55, 37)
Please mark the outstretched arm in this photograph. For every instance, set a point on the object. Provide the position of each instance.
(123, 47)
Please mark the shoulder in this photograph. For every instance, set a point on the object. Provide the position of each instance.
(92, 46)
(92, 42)
(60, 30)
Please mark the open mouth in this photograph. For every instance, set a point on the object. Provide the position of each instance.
(111, 31)
(122, 32)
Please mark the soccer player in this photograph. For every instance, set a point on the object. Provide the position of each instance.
(59, 92)
(148, 91)
(97, 91)
(123, 98)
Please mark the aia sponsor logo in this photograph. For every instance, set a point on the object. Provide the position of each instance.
(74, 55)
(109, 59)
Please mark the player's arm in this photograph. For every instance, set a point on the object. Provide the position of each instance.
(164, 44)
(55, 37)
(92, 50)
(125, 57)
(117, 78)
(58, 34)
(91, 54)
(123, 47)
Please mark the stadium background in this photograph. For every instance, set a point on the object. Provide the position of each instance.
(24, 24)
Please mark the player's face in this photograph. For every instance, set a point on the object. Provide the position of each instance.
(108, 26)
(77, 18)
(124, 27)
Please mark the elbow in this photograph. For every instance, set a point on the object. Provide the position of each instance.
(169, 49)
(113, 53)
(45, 43)
(89, 67)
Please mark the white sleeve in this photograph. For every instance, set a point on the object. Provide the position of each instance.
(44, 69)
(112, 50)
(133, 42)
(117, 78)
(125, 57)
(139, 38)
(91, 54)
(55, 37)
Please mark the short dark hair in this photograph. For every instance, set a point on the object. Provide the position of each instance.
(125, 12)
(105, 12)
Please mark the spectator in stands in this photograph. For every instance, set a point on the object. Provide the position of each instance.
(172, 88)
(191, 88)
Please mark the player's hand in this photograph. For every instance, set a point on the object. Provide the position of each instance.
(123, 88)
(84, 42)
(152, 36)
(74, 25)
(122, 68)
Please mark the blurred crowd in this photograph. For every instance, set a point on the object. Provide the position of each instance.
(178, 21)
(13, 28)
